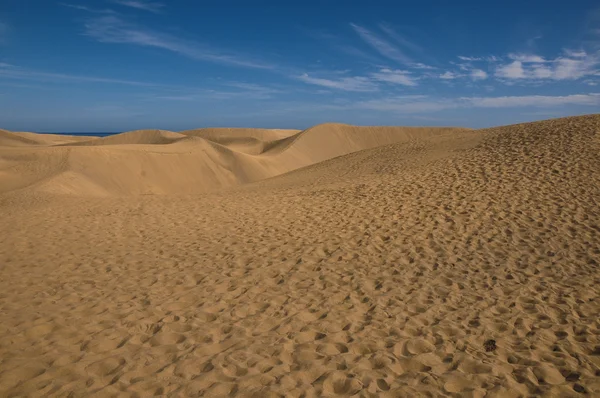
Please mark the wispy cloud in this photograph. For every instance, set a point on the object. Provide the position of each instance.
(381, 45)
(11, 72)
(402, 77)
(230, 91)
(351, 50)
(424, 104)
(419, 65)
(575, 53)
(400, 39)
(356, 83)
(112, 29)
(527, 58)
(491, 58)
(449, 75)
(536, 101)
(469, 59)
(89, 9)
(252, 90)
(141, 5)
(466, 70)
(404, 104)
(338, 43)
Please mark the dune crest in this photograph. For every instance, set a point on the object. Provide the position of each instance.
(193, 161)
(139, 137)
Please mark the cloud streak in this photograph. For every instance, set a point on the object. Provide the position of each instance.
(112, 29)
(11, 72)
(395, 76)
(356, 83)
(423, 104)
(89, 9)
(400, 39)
(381, 45)
(449, 75)
(527, 58)
(141, 5)
(536, 101)
(232, 91)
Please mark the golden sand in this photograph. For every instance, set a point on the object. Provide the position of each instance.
(335, 261)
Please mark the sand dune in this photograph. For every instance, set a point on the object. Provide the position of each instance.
(140, 137)
(249, 141)
(8, 138)
(196, 161)
(434, 263)
(217, 134)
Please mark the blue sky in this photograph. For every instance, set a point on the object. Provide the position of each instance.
(116, 65)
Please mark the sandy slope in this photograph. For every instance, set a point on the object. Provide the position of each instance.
(196, 161)
(378, 273)
(9, 138)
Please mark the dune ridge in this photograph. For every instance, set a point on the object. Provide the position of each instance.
(194, 161)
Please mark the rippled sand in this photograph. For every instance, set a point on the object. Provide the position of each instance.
(379, 273)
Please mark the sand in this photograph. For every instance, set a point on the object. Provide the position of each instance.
(335, 261)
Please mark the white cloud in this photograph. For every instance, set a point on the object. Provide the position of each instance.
(575, 53)
(141, 5)
(513, 70)
(478, 74)
(111, 29)
(537, 101)
(566, 68)
(424, 104)
(576, 65)
(382, 46)
(467, 71)
(541, 72)
(491, 58)
(395, 76)
(356, 83)
(527, 58)
(469, 59)
(449, 75)
(420, 65)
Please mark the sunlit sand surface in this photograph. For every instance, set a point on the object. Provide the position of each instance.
(334, 261)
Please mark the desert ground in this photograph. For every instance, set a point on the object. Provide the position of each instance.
(334, 261)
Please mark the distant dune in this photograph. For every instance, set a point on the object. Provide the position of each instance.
(335, 261)
(193, 161)
(8, 138)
